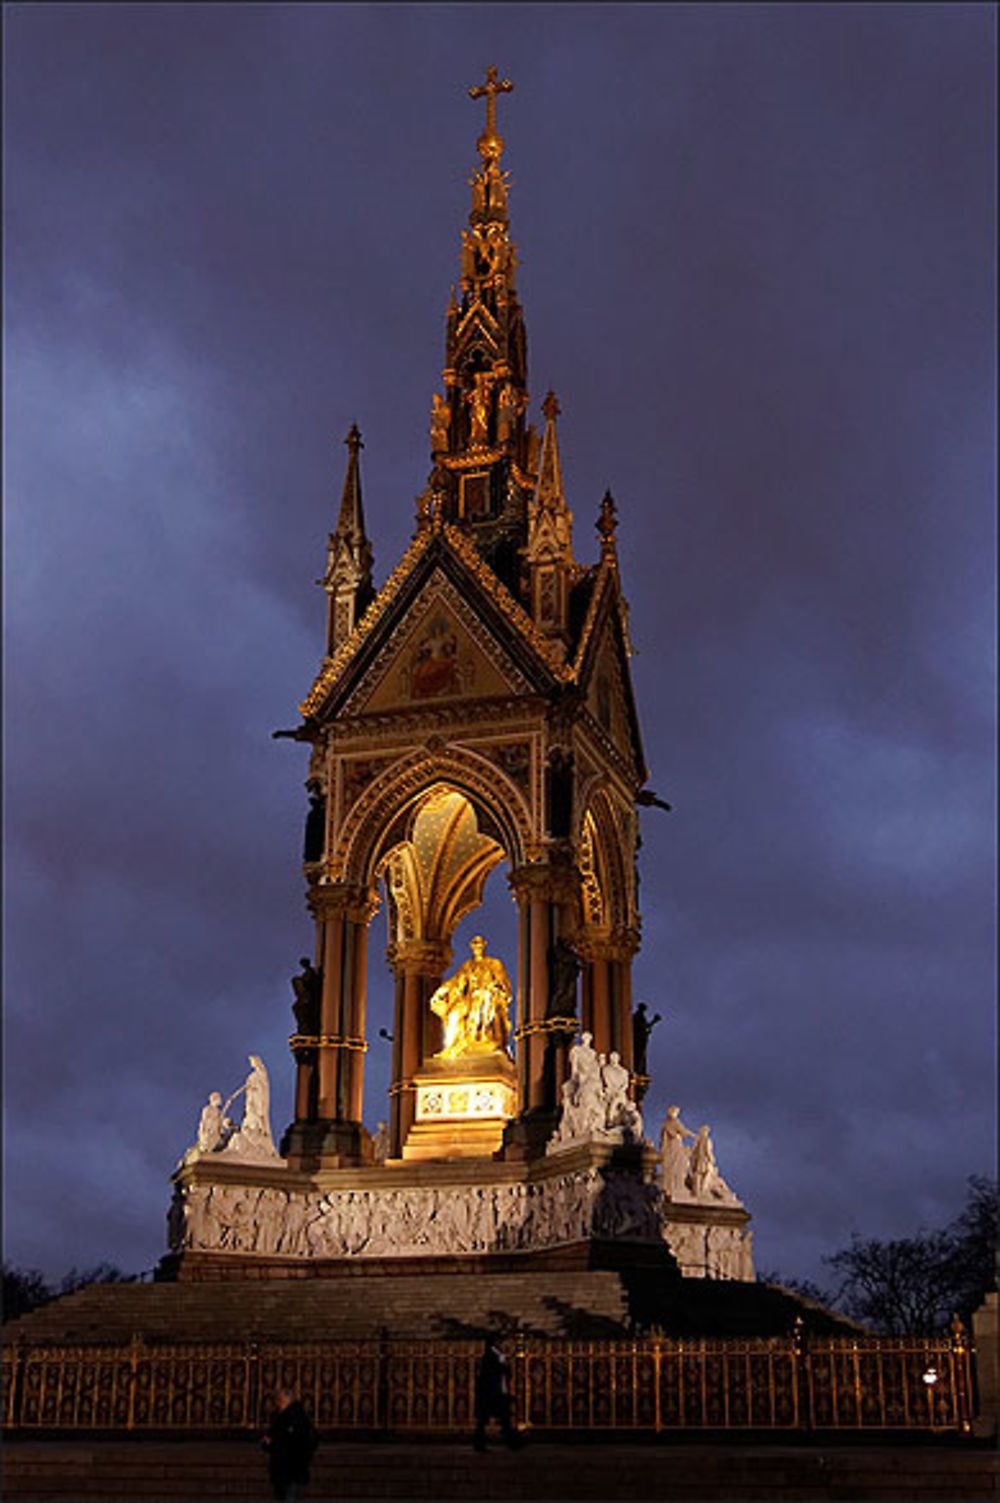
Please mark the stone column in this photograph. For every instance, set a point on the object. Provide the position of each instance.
(418, 966)
(607, 987)
(332, 1132)
(546, 894)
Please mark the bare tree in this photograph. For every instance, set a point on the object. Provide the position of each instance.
(916, 1284)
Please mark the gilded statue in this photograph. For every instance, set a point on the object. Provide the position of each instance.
(473, 1005)
(479, 399)
(440, 419)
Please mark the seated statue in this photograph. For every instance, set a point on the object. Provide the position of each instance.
(473, 1005)
(214, 1129)
(620, 1110)
(213, 1126)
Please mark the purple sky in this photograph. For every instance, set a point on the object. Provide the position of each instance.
(758, 256)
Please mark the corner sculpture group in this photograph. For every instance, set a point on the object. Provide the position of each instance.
(595, 1107)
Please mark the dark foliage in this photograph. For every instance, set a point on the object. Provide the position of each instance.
(25, 1289)
(101, 1273)
(916, 1284)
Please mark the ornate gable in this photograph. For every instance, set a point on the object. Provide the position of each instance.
(442, 628)
(602, 671)
(438, 651)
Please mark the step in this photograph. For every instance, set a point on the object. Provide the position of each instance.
(407, 1306)
(163, 1471)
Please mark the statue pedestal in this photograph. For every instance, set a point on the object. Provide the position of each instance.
(462, 1106)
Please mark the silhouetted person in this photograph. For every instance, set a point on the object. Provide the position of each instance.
(290, 1442)
(493, 1394)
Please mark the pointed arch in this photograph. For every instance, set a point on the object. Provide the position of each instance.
(386, 809)
(606, 886)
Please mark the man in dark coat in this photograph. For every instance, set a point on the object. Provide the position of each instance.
(290, 1442)
(493, 1394)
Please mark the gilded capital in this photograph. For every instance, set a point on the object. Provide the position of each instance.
(420, 957)
(345, 900)
(555, 881)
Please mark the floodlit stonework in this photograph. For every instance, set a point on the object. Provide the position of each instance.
(475, 712)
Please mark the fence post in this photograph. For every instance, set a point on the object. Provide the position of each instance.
(135, 1343)
(15, 1380)
(519, 1396)
(382, 1380)
(252, 1418)
(658, 1416)
(803, 1384)
(961, 1373)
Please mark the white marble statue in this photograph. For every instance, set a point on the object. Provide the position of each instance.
(595, 1100)
(214, 1128)
(619, 1109)
(705, 1180)
(380, 1143)
(252, 1139)
(674, 1154)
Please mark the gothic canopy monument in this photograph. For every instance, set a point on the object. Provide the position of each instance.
(476, 710)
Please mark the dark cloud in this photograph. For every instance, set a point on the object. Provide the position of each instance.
(758, 258)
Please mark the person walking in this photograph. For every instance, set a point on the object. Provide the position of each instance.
(493, 1394)
(290, 1442)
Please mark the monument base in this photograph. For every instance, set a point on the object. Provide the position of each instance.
(462, 1107)
(593, 1200)
(338, 1145)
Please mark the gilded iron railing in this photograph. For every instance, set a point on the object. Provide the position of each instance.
(651, 1383)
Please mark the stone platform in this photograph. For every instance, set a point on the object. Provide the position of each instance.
(154, 1471)
(363, 1301)
(268, 1217)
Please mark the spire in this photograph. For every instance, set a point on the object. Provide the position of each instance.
(483, 452)
(607, 526)
(549, 553)
(550, 521)
(348, 577)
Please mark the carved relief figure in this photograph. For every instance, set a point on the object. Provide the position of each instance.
(473, 1005)
(356, 1223)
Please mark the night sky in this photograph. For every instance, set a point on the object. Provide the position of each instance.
(758, 257)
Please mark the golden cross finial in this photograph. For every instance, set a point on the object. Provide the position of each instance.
(489, 90)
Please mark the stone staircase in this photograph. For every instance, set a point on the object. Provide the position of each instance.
(582, 1304)
(589, 1304)
(158, 1471)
